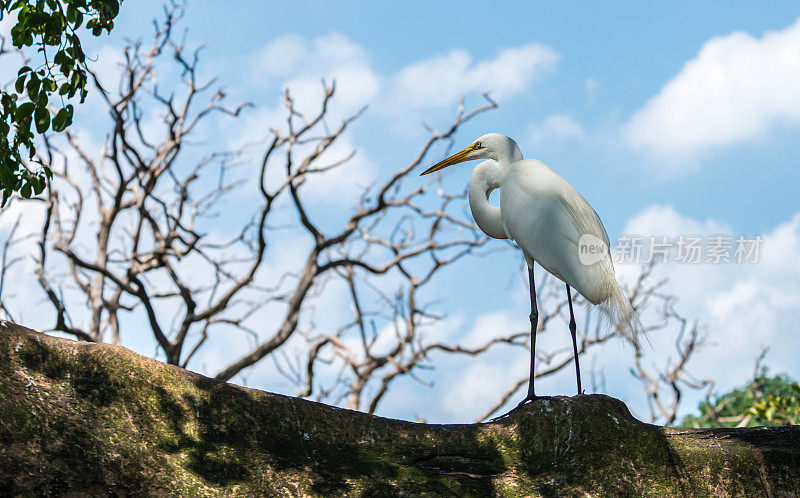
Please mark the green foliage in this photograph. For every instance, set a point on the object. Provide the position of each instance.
(780, 409)
(767, 400)
(50, 26)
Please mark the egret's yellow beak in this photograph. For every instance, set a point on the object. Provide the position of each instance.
(456, 158)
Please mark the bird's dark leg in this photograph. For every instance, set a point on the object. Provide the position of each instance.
(534, 316)
(572, 328)
(534, 325)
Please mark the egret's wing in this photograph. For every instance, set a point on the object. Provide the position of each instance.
(583, 217)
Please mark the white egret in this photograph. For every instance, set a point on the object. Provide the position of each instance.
(552, 224)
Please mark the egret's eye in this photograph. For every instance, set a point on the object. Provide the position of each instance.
(476, 145)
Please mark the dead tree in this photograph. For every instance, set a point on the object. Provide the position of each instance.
(665, 384)
(644, 295)
(140, 232)
(128, 229)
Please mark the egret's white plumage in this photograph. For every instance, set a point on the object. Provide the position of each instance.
(547, 218)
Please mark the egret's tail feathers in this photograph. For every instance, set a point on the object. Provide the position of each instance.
(622, 316)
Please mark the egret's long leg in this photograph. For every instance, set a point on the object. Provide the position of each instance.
(534, 325)
(572, 328)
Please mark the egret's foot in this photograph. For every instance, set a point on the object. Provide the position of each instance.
(529, 398)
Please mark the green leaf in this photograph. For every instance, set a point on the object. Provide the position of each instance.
(62, 119)
(60, 57)
(48, 85)
(41, 99)
(40, 24)
(38, 185)
(112, 7)
(33, 87)
(23, 111)
(42, 119)
(19, 86)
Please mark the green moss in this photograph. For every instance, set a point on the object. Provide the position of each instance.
(96, 419)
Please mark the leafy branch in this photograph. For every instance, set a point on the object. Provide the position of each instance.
(51, 26)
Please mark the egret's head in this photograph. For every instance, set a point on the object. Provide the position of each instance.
(490, 146)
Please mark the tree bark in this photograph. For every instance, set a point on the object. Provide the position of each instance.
(97, 419)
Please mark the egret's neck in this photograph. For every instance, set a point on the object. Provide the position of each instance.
(485, 178)
(507, 153)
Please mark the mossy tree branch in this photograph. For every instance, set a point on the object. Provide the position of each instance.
(93, 418)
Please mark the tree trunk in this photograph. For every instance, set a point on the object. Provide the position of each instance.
(99, 419)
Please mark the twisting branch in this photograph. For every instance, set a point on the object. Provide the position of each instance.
(8, 261)
(352, 248)
(150, 232)
(664, 386)
(127, 230)
(644, 294)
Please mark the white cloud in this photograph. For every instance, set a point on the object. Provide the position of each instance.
(555, 128)
(107, 64)
(665, 220)
(281, 57)
(29, 213)
(744, 306)
(343, 186)
(7, 22)
(494, 324)
(737, 88)
(300, 65)
(441, 80)
(479, 385)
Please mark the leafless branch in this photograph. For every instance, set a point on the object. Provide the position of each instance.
(151, 232)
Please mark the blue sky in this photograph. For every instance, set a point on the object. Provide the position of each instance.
(628, 50)
(670, 118)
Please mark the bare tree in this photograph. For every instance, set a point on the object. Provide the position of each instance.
(126, 228)
(664, 385)
(644, 294)
(370, 360)
(132, 235)
(8, 260)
